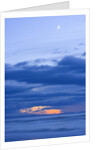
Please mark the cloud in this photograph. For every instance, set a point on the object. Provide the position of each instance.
(81, 44)
(76, 48)
(74, 64)
(40, 60)
(31, 85)
(22, 64)
(28, 99)
(40, 110)
(13, 87)
(84, 54)
(69, 70)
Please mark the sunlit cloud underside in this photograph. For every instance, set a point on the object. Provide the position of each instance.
(40, 110)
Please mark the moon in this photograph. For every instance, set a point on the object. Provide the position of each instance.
(58, 27)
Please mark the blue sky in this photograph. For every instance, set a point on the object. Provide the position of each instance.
(45, 66)
(28, 35)
(33, 28)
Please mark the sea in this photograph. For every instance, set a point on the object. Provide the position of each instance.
(32, 127)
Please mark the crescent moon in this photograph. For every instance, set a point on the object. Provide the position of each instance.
(58, 27)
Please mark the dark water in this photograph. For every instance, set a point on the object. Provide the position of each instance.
(28, 127)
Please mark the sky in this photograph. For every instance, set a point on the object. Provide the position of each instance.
(45, 64)
(28, 35)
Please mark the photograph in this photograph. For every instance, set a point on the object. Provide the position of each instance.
(45, 77)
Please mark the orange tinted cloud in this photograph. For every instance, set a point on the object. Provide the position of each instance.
(50, 111)
(33, 109)
(40, 110)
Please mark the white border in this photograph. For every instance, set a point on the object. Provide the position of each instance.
(41, 142)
